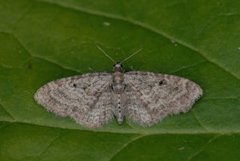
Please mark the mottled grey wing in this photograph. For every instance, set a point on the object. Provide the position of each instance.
(151, 96)
(85, 98)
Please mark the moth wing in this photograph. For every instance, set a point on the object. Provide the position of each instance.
(151, 96)
(85, 98)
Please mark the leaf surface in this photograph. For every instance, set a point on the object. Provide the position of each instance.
(43, 40)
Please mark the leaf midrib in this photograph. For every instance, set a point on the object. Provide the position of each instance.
(139, 131)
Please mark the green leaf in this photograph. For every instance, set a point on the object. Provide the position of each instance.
(43, 40)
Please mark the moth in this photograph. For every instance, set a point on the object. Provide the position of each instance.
(143, 98)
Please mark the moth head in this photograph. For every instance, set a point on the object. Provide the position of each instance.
(118, 67)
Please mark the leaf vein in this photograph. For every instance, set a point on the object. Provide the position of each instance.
(125, 145)
(48, 146)
(199, 122)
(188, 66)
(203, 147)
(41, 58)
(7, 112)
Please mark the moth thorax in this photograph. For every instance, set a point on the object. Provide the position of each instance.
(118, 85)
(118, 77)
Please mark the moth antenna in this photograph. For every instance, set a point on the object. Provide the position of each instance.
(108, 56)
(136, 52)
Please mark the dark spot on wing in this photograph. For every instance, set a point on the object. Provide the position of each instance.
(162, 82)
